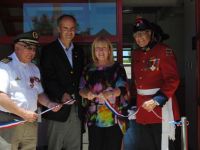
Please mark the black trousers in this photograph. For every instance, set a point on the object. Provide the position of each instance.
(108, 138)
(149, 137)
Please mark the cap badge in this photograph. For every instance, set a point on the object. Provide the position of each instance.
(137, 25)
(35, 35)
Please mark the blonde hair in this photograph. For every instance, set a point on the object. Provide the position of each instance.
(102, 39)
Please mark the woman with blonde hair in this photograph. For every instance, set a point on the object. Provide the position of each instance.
(104, 86)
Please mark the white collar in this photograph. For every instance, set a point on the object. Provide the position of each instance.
(16, 59)
(63, 46)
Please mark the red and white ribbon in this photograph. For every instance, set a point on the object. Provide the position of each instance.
(18, 122)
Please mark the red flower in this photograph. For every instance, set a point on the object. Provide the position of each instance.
(33, 80)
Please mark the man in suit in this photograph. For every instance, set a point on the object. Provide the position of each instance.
(61, 68)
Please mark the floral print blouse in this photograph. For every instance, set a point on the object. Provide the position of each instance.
(98, 79)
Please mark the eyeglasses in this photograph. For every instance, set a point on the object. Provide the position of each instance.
(101, 48)
(29, 47)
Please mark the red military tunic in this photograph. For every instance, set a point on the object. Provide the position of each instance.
(152, 69)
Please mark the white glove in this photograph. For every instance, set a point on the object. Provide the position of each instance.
(132, 113)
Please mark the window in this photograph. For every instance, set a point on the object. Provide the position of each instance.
(93, 18)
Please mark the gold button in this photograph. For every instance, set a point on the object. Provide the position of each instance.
(143, 61)
(71, 72)
(140, 78)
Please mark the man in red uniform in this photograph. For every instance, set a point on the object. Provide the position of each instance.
(156, 80)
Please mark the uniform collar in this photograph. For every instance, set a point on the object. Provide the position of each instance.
(15, 58)
(149, 46)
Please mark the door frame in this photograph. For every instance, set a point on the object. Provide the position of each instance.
(197, 15)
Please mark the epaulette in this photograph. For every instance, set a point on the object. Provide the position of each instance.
(6, 60)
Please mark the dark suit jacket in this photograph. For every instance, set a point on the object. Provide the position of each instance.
(59, 77)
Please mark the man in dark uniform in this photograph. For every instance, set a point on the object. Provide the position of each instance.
(61, 68)
(156, 80)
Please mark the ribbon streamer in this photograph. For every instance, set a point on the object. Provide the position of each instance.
(71, 101)
(109, 106)
(113, 109)
(178, 123)
(18, 122)
(11, 124)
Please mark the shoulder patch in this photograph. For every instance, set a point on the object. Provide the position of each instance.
(6, 60)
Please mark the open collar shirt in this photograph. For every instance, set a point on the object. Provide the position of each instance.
(68, 52)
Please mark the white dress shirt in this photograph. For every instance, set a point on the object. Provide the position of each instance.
(68, 52)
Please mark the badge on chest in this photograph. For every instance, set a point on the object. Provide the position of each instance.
(33, 81)
(153, 64)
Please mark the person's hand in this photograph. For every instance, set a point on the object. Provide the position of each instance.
(66, 97)
(56, 105)
(90, 95)
(108, 94)
(29, 116)
(101, 98)
(149, 105)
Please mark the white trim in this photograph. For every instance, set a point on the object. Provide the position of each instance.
(28, 40)
(147, 91)
(168, 129)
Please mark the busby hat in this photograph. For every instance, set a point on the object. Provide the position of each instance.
(141, 24)
(30, 38)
